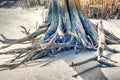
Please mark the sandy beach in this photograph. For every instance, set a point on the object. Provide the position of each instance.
(52, 68)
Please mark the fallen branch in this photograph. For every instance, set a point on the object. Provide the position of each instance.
(8, 65)
(94, 59)
(27, 38)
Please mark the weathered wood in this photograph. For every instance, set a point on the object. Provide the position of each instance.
(88, 26)
(27, 38)
(83, 62)
(93, 59)
(67, 28)
(101, 40)
(7, 65)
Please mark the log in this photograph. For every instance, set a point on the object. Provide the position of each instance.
(93, 59)
(7, 65)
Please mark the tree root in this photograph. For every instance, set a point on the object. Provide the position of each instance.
(27, 38)
(7, 65)
(68, 28)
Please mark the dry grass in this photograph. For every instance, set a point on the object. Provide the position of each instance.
(34, 3)
(105, 9)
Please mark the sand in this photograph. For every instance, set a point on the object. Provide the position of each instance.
(11, 18)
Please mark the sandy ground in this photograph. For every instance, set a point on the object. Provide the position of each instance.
(58, 69)
(112, 26)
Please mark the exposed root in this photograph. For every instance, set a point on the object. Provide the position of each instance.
(95, 59)
(27, 38)
(6, 40)
(7, 65)
(67, 28)
(112, 50)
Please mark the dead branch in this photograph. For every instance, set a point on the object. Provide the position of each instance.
(66, 30)
(8, 65)
(6, 40)
(25, 31)
(110, 59)
(93, 59)
(83, 62)
(44, 25)
(27, 38)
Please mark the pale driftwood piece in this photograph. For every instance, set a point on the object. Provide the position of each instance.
(16, 58)
(24, 40)
(7, 65)
(14, 51)
(46, 46)
(17, 51)
(25, 60)
(67, 28)
(27, 38)
(102, 41)
(93, 59)
(8, 41)
(76, 75)
(83, 62)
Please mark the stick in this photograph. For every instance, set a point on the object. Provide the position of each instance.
(25, 30)
(83, 62)
(7, 65)
(93, 59)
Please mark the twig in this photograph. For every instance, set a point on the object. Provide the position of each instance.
(27, 32)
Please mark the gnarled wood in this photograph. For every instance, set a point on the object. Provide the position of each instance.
(67, 28)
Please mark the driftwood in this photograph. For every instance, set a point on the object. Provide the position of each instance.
(101, 63)
(67, 28)
(101, 46)
(7, 65)
(94, 59)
